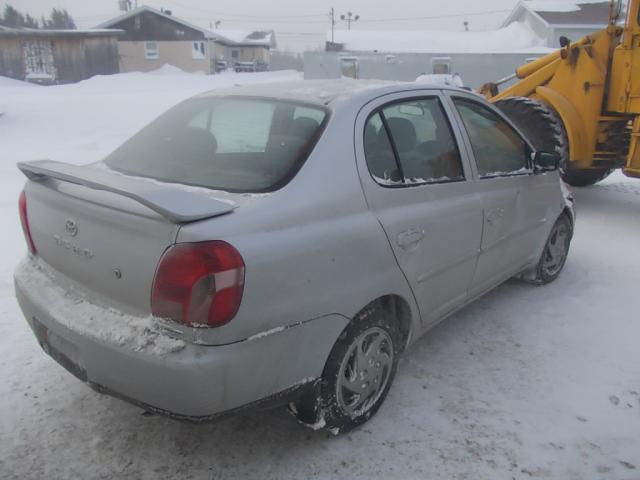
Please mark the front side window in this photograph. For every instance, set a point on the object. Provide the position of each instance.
(151, 50)
(497, 148)
(237, 144)
(412, 143)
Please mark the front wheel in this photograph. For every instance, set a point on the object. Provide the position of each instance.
(555, 251)
(357, 375)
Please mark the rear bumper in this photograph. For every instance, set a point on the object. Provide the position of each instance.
(186, 380)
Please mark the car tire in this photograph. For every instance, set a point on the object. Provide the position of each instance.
(556, 250)
(357, 375)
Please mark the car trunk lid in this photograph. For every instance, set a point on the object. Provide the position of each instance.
(108, 231)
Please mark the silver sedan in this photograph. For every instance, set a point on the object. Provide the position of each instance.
(283, 244)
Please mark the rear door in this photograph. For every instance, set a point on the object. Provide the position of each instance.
(512, 214)
(419, 186)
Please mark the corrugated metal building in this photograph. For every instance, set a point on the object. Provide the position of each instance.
(57, 56)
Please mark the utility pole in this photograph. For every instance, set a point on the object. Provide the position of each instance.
(350, 17)
(332, 18)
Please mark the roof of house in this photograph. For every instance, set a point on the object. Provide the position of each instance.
(230, 37)
(33, 32)
(265, 38)
(514, 38)
(564, 12)
(585, 14)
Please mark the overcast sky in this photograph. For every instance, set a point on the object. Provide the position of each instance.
(297, 22)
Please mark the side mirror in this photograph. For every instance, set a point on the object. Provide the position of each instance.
(545, 161)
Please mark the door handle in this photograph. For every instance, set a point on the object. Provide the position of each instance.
(410, 237)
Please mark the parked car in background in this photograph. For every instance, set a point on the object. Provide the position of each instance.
(251, 66)
(221, 65)
(283, 243)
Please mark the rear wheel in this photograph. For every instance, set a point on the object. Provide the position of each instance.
(357, 375)
(544, 128)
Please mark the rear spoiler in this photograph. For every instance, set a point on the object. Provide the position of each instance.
(173, 203)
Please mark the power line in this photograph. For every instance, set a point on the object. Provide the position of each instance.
(234, 20)
(289, 19)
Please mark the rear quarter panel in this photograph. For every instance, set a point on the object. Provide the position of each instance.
(311, 249)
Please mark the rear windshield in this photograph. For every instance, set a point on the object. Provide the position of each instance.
(237, 144)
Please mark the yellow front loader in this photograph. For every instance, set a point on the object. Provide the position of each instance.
(583, 101)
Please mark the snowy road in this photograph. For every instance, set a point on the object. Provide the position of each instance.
(528, 382)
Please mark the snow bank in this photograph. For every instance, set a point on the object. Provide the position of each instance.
(514, 38)
(168, 69)
(10, 82)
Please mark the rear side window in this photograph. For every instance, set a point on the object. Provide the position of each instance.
(497, 148)
(237, 144)
(411, 143)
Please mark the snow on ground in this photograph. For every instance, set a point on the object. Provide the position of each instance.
(528, 382)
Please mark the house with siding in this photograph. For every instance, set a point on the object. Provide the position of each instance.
(57, 56)
(552, 20)
(153, 38)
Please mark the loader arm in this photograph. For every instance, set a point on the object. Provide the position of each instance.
(593, 85)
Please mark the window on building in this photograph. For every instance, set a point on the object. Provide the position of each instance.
(441, 65)
(137, 22)
(151, 50)
(349, 67)
(38, 58)
(197, 50)
(235, 54)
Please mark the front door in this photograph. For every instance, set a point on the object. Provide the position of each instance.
(419, 186)
(511, 217)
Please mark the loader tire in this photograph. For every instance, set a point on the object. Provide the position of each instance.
(583, 177)
(540, 124)
(544, 128)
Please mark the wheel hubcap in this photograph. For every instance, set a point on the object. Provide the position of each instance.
(555, 252)
(364, 371)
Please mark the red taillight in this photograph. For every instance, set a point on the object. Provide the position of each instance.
(24, 219)
(199, 284)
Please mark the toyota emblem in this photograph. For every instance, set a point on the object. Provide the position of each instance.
(71, 227)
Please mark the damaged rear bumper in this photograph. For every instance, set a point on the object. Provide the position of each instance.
(185, 380)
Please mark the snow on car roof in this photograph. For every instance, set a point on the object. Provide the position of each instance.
(317, 91)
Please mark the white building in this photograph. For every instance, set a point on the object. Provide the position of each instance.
(531, 30)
